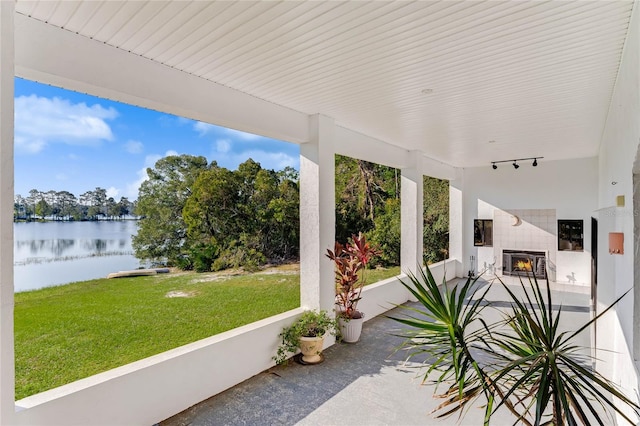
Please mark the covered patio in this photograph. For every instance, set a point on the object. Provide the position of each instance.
(368, 383)
(443, 89)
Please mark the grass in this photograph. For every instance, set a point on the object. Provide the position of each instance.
(378, 274)
(66, 333)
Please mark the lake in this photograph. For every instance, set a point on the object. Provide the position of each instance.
(53, 253)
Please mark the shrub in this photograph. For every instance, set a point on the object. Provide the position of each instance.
(239, 256)
(202, 257)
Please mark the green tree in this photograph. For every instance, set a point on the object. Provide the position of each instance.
(67, 204)
(352, 215)
(124, 207)
(212, 212)
(84, 202)
(111, 208)
(19, 207)
(284, 218)
(243, 218)
(386, 233)
(368, 200)
(98, 203)
(436, 219)
(32, 200)
(43, 208)
(162, 232)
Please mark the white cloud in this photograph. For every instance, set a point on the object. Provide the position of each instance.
(62, 177)
(223, 145)
(182, 121)
(273, 160)
(133, 147)
(31, 145)
(112, 192)
(243, 135)
(203, 128)
(40, 121)
(267, 160)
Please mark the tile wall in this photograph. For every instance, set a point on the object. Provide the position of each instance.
(533, 229)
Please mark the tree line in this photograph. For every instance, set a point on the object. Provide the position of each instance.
(65, 206)
(198, 215)
(368, 200)
(201, 216)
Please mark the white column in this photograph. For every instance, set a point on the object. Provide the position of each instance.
(411, 216)
(317, 215)
(7, 368)
(456, 228)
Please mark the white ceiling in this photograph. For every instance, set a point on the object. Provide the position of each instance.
(466, 82)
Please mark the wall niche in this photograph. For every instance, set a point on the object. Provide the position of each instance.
(570, 235)
(483, 232)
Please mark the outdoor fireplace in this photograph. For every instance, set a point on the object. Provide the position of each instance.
(524, 263)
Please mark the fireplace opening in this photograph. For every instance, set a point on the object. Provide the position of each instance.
(524, 263)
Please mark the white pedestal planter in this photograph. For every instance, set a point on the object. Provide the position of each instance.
(351, 329)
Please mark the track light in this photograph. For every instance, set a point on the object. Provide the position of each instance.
(514, 162)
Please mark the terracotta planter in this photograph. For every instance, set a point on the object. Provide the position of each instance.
(311, 348)
(350, 329)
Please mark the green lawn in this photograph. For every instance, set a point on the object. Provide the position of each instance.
(379, 274)
(69, 332)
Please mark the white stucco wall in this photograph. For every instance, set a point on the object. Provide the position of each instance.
(618, 152)
(568, 187)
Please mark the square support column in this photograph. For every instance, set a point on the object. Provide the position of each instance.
(7, 67)
(456, 225)
(412, 217)
(317, 215)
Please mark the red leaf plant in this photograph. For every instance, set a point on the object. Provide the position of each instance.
(351, 262)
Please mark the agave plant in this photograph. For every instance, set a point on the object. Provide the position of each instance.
(522, 362)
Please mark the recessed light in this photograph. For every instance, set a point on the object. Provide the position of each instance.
(427, 91)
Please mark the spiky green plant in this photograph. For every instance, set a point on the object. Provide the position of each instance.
(522, 362)
(442, 334)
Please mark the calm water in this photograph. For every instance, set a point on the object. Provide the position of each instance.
(54, 253)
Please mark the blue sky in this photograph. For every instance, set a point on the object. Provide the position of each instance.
(70, 141)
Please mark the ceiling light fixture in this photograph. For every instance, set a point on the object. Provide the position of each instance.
(514, 162)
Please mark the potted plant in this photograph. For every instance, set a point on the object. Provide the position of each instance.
(523, 362)
(307, 334)
(351, 262)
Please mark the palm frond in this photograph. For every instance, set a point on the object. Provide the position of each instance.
(528, 365)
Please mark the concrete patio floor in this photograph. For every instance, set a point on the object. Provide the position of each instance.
(366, 383)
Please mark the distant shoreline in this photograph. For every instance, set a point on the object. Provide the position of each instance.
(46, 220)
